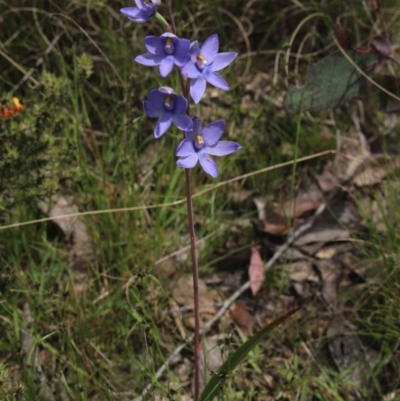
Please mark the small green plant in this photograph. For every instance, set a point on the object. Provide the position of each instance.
(9, 391)
(36, 151)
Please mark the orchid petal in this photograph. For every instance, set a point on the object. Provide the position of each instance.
(151, 110)
(213, 132)
(222, 60)
(208, 164)
(131, 12)
(191, 134)
(223, 148)
(215, 79)
(163, 124)
(185, 148)
(157, 98)
(166, 65)
(180, 104)
(182, 121)
(181, 47)
(190, 70)
(155, 44)
(182, 61)
(210, 48)
(141, 14)
(194, 49)
(188, 162)
(196, 125)
(197, 88)
(148, 59)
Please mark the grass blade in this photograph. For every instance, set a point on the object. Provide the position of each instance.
(216, 381)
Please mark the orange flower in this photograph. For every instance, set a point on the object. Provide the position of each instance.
(17, 108)
(7, 113)
(17, 105)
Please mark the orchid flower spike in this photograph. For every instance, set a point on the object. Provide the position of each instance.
(200, 143)
(202, 67)
(166, 104)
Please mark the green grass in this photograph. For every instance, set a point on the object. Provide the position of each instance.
(83, 134)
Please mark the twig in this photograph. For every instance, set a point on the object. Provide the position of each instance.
(278, 253)
(18, 67)
(38, 62)
(363, 140)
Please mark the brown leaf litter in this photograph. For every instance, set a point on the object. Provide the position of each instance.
(284, 217)
(256, 271)
(242, 318)
(182, 293)
(58, 208)
(348, 352)
(317, 268)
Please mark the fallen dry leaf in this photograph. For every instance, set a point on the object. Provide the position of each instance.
(302, 277)
(353, 152)
(282, 218)
(242, 318)
(370, 174)
(349, 156)
(275, 224)
(331, 274)
(182, 292)
(256, 271)
(323, 236)
(302, 271)
(327, 181)
(294, 209)
(326, 253)
(73, 227)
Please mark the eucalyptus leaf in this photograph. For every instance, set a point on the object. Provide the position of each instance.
(330, 82)
(233, 360)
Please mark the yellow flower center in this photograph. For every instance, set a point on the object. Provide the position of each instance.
(201, 62)
(198, 141)
(169, 103)
(169, 46)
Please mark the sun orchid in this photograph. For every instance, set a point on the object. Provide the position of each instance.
(200, 144)
(143, 12)
(203, 64)
(166, 104)
(197, 65)
(166, 51)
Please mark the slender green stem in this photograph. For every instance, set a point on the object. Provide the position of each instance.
(161, 20)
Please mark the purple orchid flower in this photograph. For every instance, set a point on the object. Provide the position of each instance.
(165, 51)
(166, 104)
(200, 143)
(143, 12)
(203, 64)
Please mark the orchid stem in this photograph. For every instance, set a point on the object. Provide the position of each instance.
(193, 247)
(195, 269)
